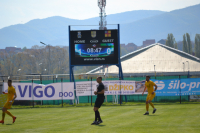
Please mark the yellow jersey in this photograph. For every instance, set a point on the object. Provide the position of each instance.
(149, 86)
(11, 92)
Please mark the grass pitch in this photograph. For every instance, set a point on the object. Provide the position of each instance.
(182, 118)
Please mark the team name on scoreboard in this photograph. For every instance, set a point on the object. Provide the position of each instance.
(94, 41)
(108, 40)
(79, 41)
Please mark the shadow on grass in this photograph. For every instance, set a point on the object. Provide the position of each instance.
(101, 125)
(153, 115)
(8, 124)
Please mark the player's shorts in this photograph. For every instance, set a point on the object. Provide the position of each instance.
(99, 101)
(150, 96)
(8, 105)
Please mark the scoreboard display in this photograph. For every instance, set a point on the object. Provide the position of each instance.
(90, 47)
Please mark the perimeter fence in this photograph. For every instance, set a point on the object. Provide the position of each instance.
(113, 99)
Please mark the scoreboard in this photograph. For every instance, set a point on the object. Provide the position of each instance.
(93, 47)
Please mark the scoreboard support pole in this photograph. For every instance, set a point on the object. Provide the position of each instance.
(71, 67)
(71, 74)
(121, 77)
(119, 60)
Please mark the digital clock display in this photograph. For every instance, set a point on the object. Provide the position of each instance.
(94, 50)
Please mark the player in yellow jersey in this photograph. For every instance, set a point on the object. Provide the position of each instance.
(10, 99)
(149, 85)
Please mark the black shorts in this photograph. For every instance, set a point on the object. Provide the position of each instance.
(99, 101)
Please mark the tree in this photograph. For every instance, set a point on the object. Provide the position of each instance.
(176, 45)
(189, 44)
(197, 45)
(24, 49)
(171, 41)
(185, 47)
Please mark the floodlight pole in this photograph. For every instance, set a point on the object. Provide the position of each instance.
(49, 56)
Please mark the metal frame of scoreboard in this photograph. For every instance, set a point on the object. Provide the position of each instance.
(118, 64)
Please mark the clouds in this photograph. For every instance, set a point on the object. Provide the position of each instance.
(22, 11)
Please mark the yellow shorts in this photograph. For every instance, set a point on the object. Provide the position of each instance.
(8, 105)
(150, 96)
(3, 99)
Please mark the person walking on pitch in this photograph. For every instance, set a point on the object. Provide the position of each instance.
(149, 85)
(99, 101)
(10, 100)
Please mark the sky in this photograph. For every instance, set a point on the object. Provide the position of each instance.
(21, 11)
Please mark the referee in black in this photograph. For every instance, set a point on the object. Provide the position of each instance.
(99, 101)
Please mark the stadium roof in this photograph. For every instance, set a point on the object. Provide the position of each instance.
(138, 52)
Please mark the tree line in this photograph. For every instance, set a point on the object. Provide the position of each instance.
(45, 60)
(37, 60)
(187, 44)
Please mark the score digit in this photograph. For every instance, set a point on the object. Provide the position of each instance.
(99, 50)
(88, 50)
(108, 51)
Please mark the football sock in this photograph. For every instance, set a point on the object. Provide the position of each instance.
(3, 115)
(147, 107)
(98, 115)
(95, 116)
(7, 112)
(151, 105)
